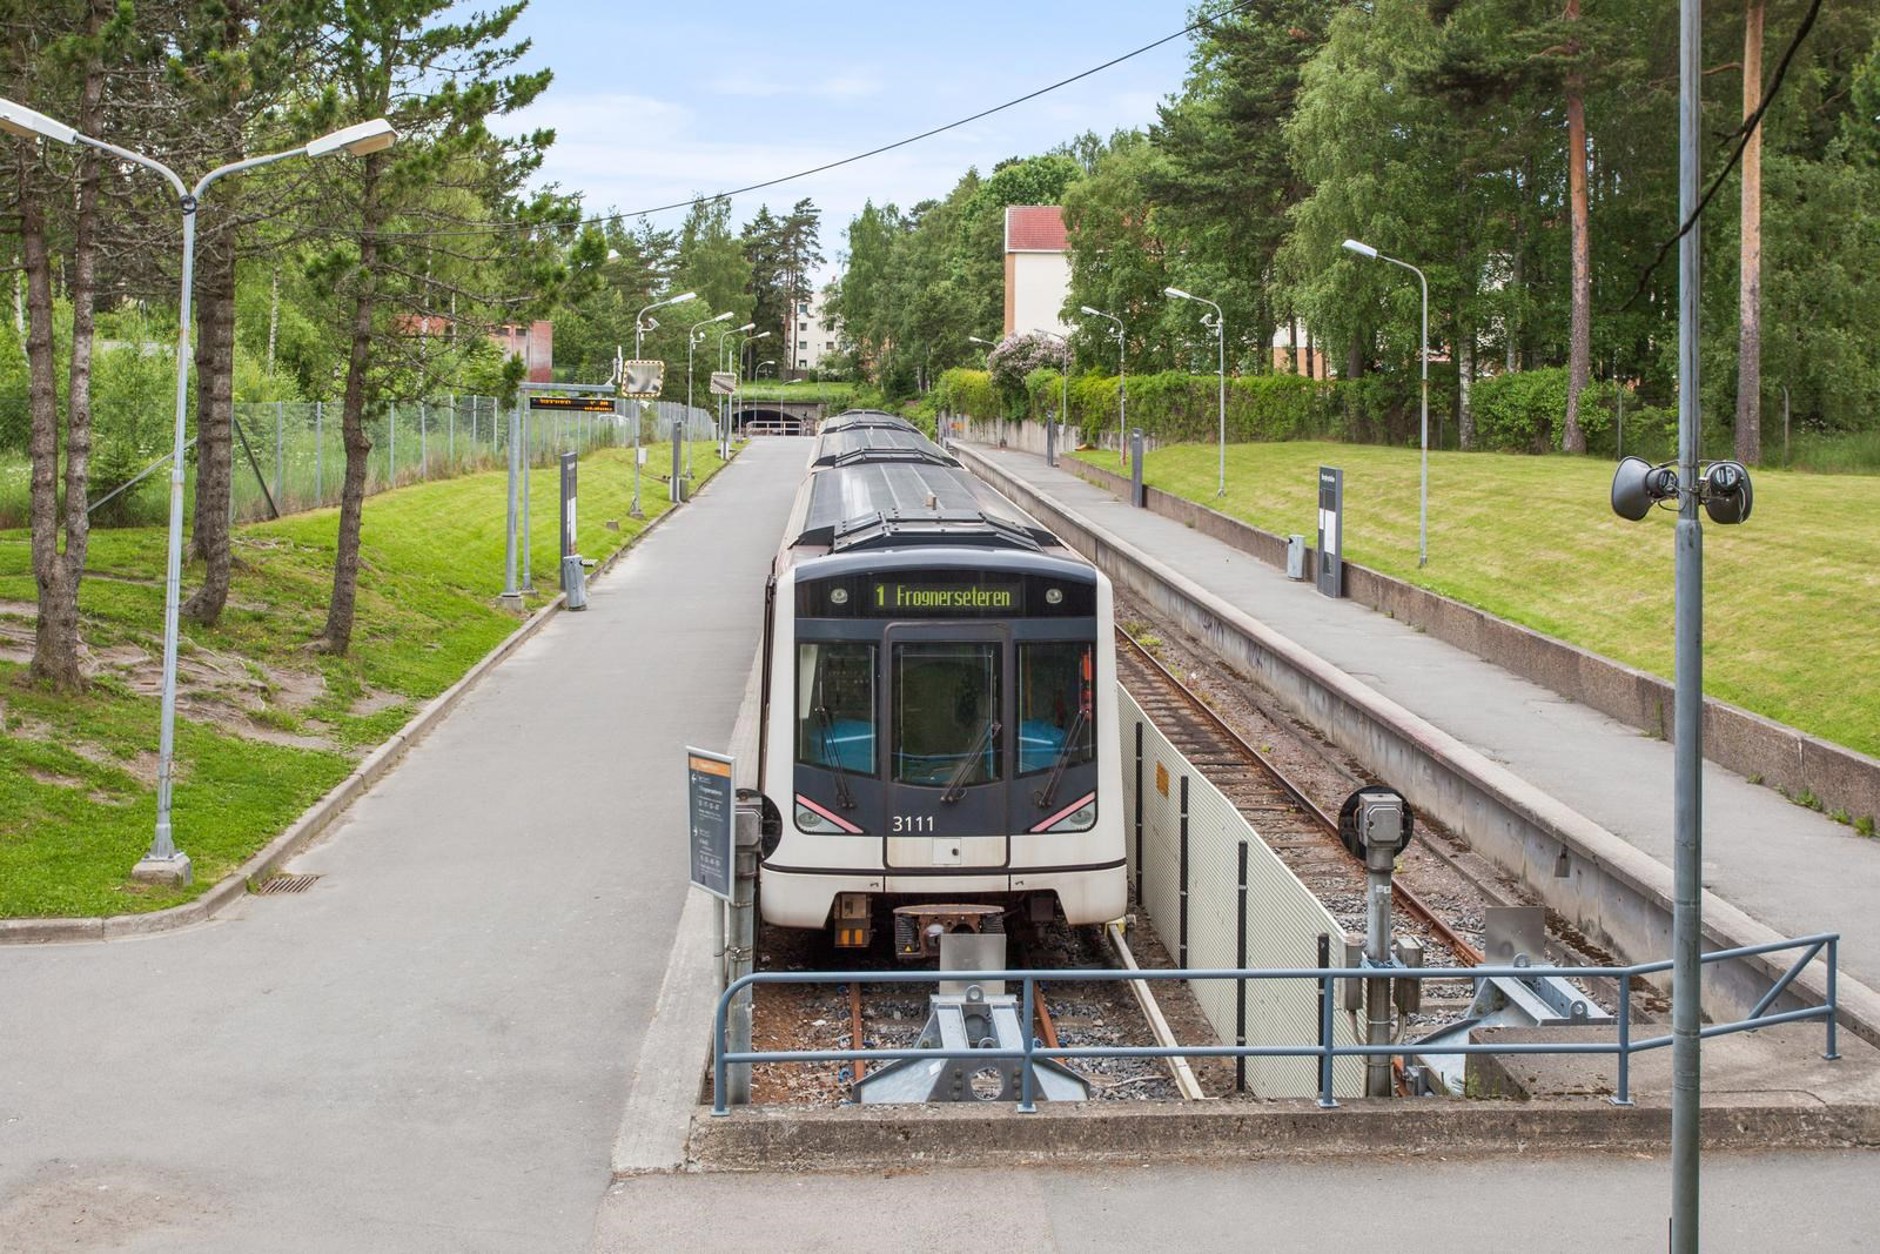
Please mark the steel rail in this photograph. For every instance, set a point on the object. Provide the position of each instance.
(1469, 955)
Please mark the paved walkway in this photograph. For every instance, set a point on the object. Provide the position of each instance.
(1535, 1204)
(430, 1049)
(1790, 868)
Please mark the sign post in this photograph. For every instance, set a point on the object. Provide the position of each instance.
(1331, 572)
(710, 804)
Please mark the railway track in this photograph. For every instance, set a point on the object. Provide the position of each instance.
(863, 1015)
(1291, 823)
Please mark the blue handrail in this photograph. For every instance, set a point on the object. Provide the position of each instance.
(1326, 1050)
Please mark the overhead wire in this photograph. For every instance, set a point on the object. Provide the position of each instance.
(1742, 136)
(1200, 21)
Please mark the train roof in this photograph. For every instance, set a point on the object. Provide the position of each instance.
(850, 418)
(899, 504)
(850, 445)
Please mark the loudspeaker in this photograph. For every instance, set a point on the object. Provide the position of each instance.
(1726, 494)
(1637, 485)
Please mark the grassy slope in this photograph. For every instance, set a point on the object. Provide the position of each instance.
(1790, 630)
(76, 804)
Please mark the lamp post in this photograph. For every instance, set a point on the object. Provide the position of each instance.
(1220, 336)
(164, 861)
(641, 325)
(724, 406)
(1064, 394)
(737, 353)
(692, 338)
(1122, 384)
(1423, 492)
(988, 345)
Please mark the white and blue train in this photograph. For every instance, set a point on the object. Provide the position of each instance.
(939, 705)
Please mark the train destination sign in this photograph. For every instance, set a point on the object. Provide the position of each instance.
(984, 597)
(711, 806)
(577, 404)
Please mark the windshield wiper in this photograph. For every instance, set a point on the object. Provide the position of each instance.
(956, 787)
(1045, 795)
(833, 756)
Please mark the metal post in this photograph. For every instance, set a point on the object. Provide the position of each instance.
(164, 859)
(1220, 337)
(319, 453)
(1240, 961)
(424, 446)
(1423, 492)
(1182, 934)
(1687, 724)
(450, 435)
(1027, 1083)
(1138, 816)
(1379, 862)
(509, 532)
(678, 476)
(391, 453)
(280, 446)
(528, 466)
(1624, 1096)
(743, 945)
(1326, 1035)
(1137, 496)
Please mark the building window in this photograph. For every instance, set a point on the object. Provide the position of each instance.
(802, 306)
(802, 364)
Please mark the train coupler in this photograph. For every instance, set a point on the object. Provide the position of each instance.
(918, 929)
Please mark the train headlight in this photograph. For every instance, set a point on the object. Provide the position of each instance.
(1082, 819)
(809, 821)
(1054, 596)
(838, 596)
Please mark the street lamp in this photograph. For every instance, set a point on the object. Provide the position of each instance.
(1122, 384)
(737, 359)
(1064, 402)
(1220, 335)
(692, 338)
(641, 325)
(1423, 494)
(164, 861)
(724, 405)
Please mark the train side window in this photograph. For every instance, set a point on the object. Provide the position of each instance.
(946, 714)
(1056, 705)
(835, 706)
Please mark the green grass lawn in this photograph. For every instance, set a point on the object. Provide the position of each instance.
(1790, 624)
(265, 727)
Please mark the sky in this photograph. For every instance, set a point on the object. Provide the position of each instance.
(743, 92)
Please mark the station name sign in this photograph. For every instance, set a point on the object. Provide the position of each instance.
(918, 598)
(575, 404)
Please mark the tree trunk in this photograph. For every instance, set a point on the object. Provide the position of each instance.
(1749, 293)
(55, 637)
(1465, 375)
(215, 369)
(337, 635)
(1580, 333)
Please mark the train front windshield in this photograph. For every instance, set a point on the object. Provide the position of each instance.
(946, 702)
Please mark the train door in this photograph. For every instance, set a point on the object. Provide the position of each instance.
(947, 712)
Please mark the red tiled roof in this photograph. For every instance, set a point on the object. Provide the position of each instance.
(1035, 229)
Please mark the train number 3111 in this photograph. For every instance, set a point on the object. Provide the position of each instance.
(913, 822)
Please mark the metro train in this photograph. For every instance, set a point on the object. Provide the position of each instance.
(939, 743)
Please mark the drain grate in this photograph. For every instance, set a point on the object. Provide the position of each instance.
(286, 884)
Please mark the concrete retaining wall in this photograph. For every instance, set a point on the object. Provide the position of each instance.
(1615, 894)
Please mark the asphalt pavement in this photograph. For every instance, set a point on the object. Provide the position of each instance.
(429, 1049)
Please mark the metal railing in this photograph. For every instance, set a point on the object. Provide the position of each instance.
(1325, 1050)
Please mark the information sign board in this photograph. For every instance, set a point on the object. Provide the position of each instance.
(575, 404)
(642, 380)
(711, 805)
(1331, 571)
(724, 382)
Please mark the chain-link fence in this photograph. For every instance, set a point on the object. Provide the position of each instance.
(291, 456)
